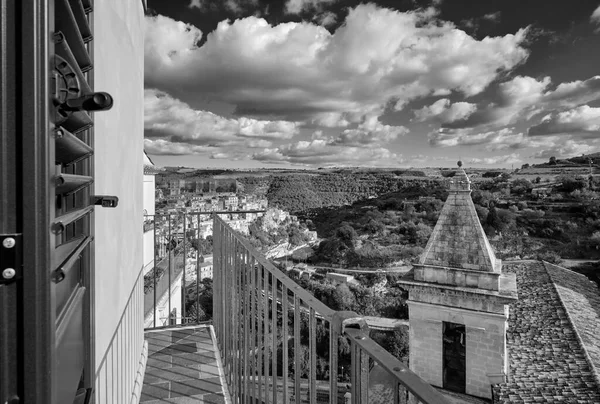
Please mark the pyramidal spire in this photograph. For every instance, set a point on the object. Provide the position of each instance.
(458, 240)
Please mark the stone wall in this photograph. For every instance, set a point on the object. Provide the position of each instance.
(425, 341)
(485, 345)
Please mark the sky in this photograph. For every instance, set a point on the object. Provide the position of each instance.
(386, 83)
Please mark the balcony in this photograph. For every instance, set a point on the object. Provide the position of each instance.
(268, 340)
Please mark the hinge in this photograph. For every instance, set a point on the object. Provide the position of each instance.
(11, 258)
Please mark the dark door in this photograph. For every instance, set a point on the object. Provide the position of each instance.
(453, 356)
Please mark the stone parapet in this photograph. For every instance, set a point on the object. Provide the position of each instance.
(458, 277)
(460, 297)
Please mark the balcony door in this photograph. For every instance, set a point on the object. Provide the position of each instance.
(46, 201)
(453, 356)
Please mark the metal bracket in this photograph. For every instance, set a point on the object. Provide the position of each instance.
(348, 319)
(107, 201)
(11, 258)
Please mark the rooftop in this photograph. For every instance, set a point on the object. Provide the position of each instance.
(458, 240)
(553, 337)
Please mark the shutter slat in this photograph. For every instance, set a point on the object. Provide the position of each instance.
(70, 149)
(68, 26)
(82, 22)
(73, 254)
(63, 251)
(87, 6)
(78, 122)
(61, 222)
(67, 184)
(63, 50)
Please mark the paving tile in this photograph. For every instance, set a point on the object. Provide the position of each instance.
(188, 400)
(195, 387)
(153, 376)
(213, 399)
(178, 349)
(159, 362)
(154, 391)
(182, 368)
(193, 359)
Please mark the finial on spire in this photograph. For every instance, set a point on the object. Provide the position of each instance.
(459, 163)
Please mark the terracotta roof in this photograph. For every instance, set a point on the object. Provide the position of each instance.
(547, 360)
(581, 298)
(458, 240)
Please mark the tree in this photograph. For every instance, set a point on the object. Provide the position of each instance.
(344, 298)
(492, 219)
(552, 161)
(346, 234)
(524, 166)
(520, 186)
(571, 183)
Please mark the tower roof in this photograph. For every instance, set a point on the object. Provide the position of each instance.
(458, 240)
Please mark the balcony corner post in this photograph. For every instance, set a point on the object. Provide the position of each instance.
(342, 320)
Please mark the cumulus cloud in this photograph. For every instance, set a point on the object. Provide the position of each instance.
(301, 71)
(569, 148)
(493, 17)
(572, 94)
(583, 120)
(517, 97)
(298, 6)
(507, 159)
(319, 152)
(326, 19)
(595, 18)
(166, 147)
(444, 111)
(172, 125)
(369, 133)
(234, 6)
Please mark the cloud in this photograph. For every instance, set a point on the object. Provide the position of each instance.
(493, 17)
(516, 98)
(583, 121)
(464, 137)
(302, 72)
(298, 6)
(572, 94)
(166, 147)
(507, 159)
(234, 6)
(371, 132)
(325, 19)
(566, 149)
(444, 111)
(319, 152)
(172, 125)
(595, 18)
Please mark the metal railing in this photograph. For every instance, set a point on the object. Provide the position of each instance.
(279, 344)
(172, 284)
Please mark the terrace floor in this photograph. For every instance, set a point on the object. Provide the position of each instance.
(183, 367)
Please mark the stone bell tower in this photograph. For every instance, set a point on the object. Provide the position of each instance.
(458, 301)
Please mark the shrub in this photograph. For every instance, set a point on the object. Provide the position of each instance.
(549, 256)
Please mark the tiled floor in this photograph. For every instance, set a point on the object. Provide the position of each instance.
(182, 367)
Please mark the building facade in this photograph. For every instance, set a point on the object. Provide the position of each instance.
(458, 302)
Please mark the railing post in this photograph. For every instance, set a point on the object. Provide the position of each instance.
(183, 285)
(358, 377)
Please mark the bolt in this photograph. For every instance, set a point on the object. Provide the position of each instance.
(8, 242)
(8, 273)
